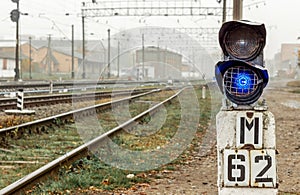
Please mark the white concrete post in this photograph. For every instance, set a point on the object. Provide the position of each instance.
(246, 149)
(20, 105)
(20, 99)
(203, 92)
(51, 87)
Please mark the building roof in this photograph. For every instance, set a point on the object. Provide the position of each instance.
(11, 55)
(95, 50)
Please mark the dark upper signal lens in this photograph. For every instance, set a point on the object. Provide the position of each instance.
(243, 43)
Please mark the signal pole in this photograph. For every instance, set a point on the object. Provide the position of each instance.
(15, 15)
(17, 48)
(237, 9)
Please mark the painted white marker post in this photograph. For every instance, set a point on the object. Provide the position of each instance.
(51, 87)
(20, 99)
(246, 149)
(20, 105)
(203, 92)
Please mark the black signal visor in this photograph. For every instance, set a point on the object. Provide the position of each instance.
(242, 40)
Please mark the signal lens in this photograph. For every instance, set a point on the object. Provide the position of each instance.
(243, 43)
(240, 81)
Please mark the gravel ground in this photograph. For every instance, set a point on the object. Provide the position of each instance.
(285, 107)
(199, 174)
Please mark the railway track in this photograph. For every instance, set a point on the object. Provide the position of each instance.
(44, 86)
(19, 186)
(41, 124)
(41, 100)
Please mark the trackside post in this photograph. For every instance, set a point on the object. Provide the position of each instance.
(246, 142)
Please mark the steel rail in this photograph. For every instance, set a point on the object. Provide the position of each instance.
(39, 125)
(62, 84)
(30, 101)
(24, 183)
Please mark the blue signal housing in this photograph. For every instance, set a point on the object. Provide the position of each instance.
(241, 81)
(242, 75)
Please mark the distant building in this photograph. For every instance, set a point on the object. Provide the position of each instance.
(286, 62)
(51, 57)
(188, 71)
(164, 64)
(289, 54)
(7, 59)
(7, 64)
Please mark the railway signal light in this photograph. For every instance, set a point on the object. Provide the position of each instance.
(15, 15)
(241, 76)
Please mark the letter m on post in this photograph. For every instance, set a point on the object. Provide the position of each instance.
(249, 129)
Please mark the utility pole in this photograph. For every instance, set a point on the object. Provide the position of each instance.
(108, 55)
(83, 48)
(143, 55)
(237, 9)
(118, 63)
(72, 73)
(30, 77)
(164, 62)
(224, 11)
(49, 54)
